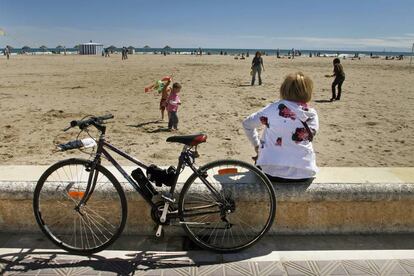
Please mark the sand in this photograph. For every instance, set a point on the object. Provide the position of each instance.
(372, 125)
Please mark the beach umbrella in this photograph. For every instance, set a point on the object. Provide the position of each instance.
(43, 48)
(25, 48)
(131, 47)
(76, 47)
(59, 47)
(146, 47)
(167, 47)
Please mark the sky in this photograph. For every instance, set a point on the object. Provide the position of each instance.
(374, 25)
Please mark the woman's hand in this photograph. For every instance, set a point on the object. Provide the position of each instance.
(256, 149)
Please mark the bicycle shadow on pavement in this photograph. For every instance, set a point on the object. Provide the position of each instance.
(129, 262)
(117, 262)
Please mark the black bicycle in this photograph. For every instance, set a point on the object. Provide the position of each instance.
(225, 205)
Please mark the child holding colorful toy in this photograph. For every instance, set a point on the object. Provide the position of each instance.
(164, 97)
(162, 86)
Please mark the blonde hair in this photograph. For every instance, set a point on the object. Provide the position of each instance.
(297, 87)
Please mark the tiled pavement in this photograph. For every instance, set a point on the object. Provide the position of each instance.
(41, 262)
(285, 255)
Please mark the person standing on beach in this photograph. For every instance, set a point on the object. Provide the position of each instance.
(172, 107)
(7, 52)
(284, 151)
(123, 53)
(339, 74)
(257, 65)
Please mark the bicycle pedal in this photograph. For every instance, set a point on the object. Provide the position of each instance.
(159, 231)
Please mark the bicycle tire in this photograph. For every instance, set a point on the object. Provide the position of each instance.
(97, 224)
(249, 201)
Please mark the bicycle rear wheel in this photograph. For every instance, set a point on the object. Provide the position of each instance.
(234, 212)
(92, 228)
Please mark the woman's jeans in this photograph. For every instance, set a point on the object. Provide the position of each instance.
(337, 82)
(258, 70)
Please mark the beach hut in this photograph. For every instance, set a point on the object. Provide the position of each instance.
(131, 50)
(90, 48)
(25, 49)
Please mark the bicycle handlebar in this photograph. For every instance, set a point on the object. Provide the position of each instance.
(95, 121)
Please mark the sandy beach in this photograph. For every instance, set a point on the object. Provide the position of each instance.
(372, 125)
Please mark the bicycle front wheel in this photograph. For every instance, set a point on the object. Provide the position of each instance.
(229, 207)
(84, 229)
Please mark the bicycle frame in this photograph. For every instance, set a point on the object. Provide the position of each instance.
(102, 147)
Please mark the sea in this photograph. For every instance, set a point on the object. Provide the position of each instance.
(228, 51)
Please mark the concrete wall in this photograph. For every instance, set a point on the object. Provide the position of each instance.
(383, 202)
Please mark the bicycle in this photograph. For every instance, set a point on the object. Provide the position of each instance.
(91, 208)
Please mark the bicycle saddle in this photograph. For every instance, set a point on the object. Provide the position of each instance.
(189, 140)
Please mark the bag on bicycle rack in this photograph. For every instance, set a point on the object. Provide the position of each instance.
(143, 183)
(160, 176)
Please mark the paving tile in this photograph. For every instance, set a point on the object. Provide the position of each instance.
(408, 265)
(270, 268)
(339, 270)
(297, 268)
(398, 270)
(210, 270)
(326, 267)
(358, 268)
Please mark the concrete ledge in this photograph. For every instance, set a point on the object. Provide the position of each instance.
(382, 201)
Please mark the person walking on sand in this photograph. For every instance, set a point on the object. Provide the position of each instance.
(339, 74)
(172, 107)
(285, 152)
(257, 65)
(7, 52)
(165, 92)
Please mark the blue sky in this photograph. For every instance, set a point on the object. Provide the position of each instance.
(302, 24)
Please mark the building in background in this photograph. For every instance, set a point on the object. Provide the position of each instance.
(90, 48)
